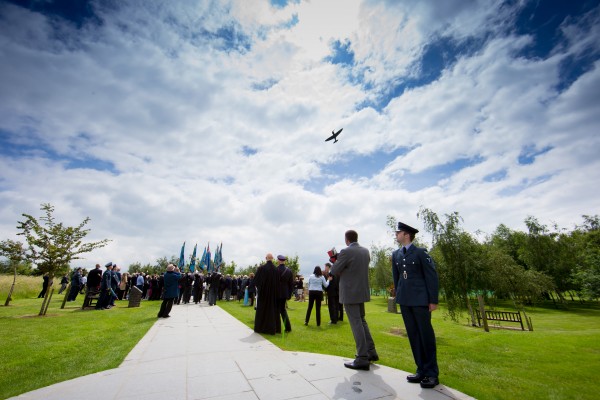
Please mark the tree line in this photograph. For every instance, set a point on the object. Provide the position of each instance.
(541, 263)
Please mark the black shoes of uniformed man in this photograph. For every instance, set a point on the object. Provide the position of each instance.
(427, 382)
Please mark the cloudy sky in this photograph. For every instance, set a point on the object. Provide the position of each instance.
(205, 121)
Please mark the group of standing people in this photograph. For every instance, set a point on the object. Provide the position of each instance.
(274, 286)
(416, 287)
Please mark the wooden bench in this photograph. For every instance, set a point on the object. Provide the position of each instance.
(502, 316)
(91, 298)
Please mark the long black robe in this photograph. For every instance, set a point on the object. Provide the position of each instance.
(266, 281)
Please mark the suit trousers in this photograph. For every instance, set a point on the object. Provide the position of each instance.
(333, 303)
(165, 307)
(362, 336)
(421, 336)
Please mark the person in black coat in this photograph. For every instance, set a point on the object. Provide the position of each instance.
(198, 281)
(94, 278)
(105, 288)
(285, 289)
(75, 285)
(266, 319)
(417, 290)
(333, 295)
(44, 285)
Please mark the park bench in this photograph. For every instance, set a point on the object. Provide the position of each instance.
(502, 316)
(91, 298)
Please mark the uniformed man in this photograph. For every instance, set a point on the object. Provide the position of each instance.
(105, 288)
(416, 284)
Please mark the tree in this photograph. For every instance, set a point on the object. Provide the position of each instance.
(53, 246)
(15, 254)
(381, 262)
(586, 276)
(458, 258)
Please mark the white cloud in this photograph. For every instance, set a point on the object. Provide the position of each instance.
(155, 93)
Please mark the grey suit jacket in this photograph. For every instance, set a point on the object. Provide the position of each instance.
(352, 268)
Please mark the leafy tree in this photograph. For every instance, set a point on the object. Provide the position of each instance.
(15, 254)
(458, 258)
(381, 262)
(586, 276)
(53, 246)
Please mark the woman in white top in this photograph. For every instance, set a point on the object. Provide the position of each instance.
(316, 283)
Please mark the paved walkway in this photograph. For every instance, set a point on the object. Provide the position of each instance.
(203, 352)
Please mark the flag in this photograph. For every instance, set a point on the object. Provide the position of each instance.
(219, 256)
(181, 264)
(208, 266)
(202, 261)
(193, 262)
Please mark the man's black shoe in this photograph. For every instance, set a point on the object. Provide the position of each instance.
(415, 378)
(429, 382)
(373, 358)
(354, 365)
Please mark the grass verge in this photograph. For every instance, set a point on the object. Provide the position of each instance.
(65, 344)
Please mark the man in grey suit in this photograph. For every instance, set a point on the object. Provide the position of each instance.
(352, 270)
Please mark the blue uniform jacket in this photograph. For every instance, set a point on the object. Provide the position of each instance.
(415, 277)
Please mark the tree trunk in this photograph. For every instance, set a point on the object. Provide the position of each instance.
(12, 287)
(471, 312)
(66, 296)
(48, 302)
(46, 297)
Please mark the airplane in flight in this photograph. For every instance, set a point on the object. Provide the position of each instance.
(334, 136)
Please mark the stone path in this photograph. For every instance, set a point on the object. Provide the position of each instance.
(202, 352)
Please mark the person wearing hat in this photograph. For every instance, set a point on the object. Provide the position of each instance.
(285, 288)
(105, 287)
(417, 289)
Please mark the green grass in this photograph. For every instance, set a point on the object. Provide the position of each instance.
(558, 360)
(65, 344)
(25, 286)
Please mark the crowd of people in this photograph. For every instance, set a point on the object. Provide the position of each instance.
(345, 282)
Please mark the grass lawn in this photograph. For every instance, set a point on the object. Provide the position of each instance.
(558, 360)
(65, 344)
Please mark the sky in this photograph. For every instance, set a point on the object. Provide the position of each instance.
(205, 121)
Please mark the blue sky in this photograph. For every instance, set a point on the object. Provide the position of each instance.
(206, 121)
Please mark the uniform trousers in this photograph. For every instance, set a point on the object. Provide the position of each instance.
(421, 337)
(284, 315)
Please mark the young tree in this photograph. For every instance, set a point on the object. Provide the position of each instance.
(15, 254)
(53, 246)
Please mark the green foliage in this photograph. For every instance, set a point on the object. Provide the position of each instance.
(51, 245)
(380, 277)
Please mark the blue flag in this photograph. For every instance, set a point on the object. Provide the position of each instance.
(181, 264)
(202, 261)
(193, 262)
(208, 263)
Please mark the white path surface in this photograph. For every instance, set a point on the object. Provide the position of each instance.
(202, 352)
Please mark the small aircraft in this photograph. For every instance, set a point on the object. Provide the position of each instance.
(334, 136)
